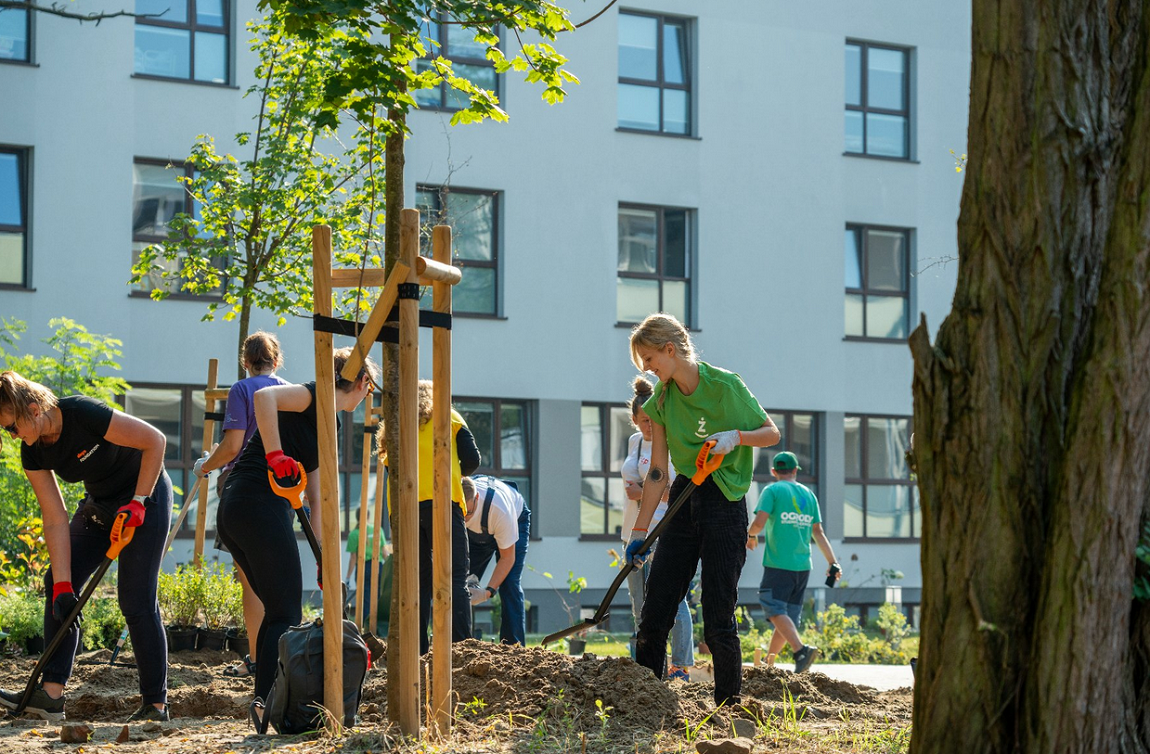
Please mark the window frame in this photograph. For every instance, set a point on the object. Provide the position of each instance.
(660, 82)
(445, 190)
(189, 209)
(862, 238)
(864, 108)
(865, 481)
(24, 180)
(660, 253)
(494, 466)
(192, 26)
(29, 44)
(803, 476)
(605, 472)
(444, 51)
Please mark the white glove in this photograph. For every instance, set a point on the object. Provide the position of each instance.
(725, 441)
(198, 468)
(477, 593)
(472, 580)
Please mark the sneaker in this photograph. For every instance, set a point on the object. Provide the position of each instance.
(678, 674)
(148, 712)
(39, 704)
(804, 657)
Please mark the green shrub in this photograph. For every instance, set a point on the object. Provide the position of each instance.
(21, 615)
(841, 639)
(220, 594)
(102, 623)
(181, 595)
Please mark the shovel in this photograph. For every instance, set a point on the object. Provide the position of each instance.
(705, 463)
(294, 496)
(120, 537)
(188, 500)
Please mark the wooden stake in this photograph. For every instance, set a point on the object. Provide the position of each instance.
(441, 545)
(364, 520)
(407, 537)
(380, 484)
(435, 270)
(328, 479)
(209, 434)
(375, 321)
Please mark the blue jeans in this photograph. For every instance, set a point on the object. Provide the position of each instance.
(138, 569)
(513, 625)
(682, 635)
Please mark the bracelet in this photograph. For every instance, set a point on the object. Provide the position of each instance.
(141, 499)
(634, 529)
(490, 591)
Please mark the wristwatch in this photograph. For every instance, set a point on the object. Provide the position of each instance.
(490, 591)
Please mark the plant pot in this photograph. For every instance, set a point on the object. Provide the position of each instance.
(34, 645)
(213, 638)
(238, 642)
(576, 646)
(181, 638)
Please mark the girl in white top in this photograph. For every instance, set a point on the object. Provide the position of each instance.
(634, 471)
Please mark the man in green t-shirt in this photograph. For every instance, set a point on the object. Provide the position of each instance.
(368, 571)
(790, 512)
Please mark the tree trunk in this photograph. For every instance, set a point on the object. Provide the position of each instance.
(245, 328)
(393, 207)
(1032, 408)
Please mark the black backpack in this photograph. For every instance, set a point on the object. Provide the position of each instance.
(296, 697)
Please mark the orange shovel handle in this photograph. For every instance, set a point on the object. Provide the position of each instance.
(293, 494)
(121, 536)
(705, 463)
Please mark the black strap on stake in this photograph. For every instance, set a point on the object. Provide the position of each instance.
(407, 290)
(388, 334)
(216, 416)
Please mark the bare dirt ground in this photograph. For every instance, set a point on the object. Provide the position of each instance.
(510, 700)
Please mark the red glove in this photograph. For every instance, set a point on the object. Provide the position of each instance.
(283, 466)
(135, 511)
(319, 575)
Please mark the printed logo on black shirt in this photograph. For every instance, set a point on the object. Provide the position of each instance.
(84, 455)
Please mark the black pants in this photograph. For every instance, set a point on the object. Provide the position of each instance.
(138, 569)
(256, 527)
(711, 528)
(460, 601)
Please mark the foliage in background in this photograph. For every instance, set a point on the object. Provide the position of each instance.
(221, 597)
(250, 238)
(181, 594)
(102, 622)
(21, 615)
(27, 570)
(79, 363)
(841, 638)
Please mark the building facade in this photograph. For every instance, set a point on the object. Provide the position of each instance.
(779, 177)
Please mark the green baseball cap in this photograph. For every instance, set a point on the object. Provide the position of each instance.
(786, 461)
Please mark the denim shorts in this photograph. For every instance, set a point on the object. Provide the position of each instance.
(781, 593)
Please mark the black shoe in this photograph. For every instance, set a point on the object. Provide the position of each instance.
(39, 704)
(914, 668)
(805, 657)
(148, 712)
(256, 713)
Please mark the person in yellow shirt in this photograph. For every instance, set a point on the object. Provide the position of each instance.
(464, 462)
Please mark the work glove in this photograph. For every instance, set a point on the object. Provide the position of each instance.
(632, 555)
(284, 467)
(477, 594)
(198, 468)
(319, 575)
(726, 441)
(135, 511)
(63, 600)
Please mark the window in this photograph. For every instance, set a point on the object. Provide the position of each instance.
(13, 216)
(184, 40)
(472, 216)
(468, 60)
(654, 263)
(15, 35)
(881, 501)
(654, 74)
(799, 434)
(604, 431)
(877, 100)
(157, 197)
(502, 431)
(877, 282)
(178, 412)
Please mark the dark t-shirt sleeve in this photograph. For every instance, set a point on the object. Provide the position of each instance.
(467, 451)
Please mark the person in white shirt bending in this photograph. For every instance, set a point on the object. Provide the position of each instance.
(498, 523)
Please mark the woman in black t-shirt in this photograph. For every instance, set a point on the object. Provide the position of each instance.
(256, 525)
(120, 460)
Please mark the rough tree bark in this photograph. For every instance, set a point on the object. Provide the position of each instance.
(393, 207)
(1032, 407)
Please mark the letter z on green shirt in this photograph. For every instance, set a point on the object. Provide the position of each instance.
(792, 511)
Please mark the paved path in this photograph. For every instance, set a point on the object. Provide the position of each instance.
(881, 677)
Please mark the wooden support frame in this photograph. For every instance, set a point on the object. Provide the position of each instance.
(209, 433)
(369, 422)
(409, 269)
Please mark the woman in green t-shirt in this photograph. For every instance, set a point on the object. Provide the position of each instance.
(693, 403)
